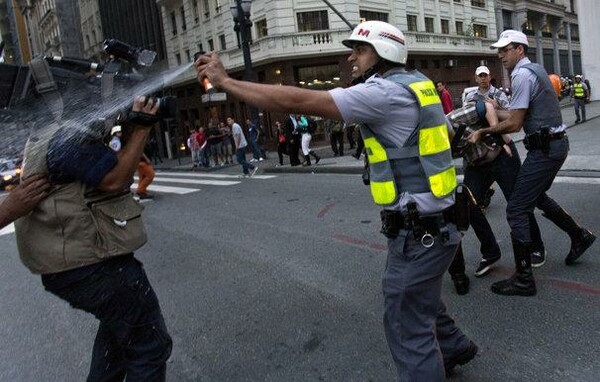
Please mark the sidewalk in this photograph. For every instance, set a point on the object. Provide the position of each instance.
(586, 162)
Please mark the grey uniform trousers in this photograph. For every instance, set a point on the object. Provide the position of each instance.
(419, 332)
(535, 178)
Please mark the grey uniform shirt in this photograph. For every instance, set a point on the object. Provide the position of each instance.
(492, 92)
(524, 85)
(391, 111)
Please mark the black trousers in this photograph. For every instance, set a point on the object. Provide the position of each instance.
(337, 142)
(294, 149)
(132, 339)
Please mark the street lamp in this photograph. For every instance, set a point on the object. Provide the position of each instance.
(242, 27)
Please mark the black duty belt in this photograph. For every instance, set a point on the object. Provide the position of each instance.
(424, 227)
(540, 140)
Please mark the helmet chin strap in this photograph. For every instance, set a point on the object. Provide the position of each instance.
(368, 73)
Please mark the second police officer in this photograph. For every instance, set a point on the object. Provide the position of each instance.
(412, 179)
(534, 107)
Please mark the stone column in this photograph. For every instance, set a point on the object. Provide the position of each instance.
(555, 24)
(538, 24)
(569, 48)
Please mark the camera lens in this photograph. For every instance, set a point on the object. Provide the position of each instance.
(167, 107)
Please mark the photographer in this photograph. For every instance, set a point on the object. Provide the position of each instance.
(85, 233)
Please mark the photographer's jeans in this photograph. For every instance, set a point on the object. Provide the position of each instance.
(132, 339)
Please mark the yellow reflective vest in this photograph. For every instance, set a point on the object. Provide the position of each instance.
(578, 91)
(424, 163)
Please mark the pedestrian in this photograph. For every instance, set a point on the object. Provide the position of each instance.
(241, 143)
(534, 107)
(23, 198)
(495, 160)
(227, 144)
(424, 341)
(214, 138)
(146, 174)
(445, 96)
(336, 136)
(83, 250)
(204, 149)
(281, 141)
(153, 151)
(486, 91)
(304, 128)
(293, 138)
(580, 96)
(350, 129)
(192, 144)
(253, 137)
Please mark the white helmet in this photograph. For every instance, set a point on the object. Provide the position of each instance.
(115, 129)
(386, 39)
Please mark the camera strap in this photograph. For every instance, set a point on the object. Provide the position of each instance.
(46, 87)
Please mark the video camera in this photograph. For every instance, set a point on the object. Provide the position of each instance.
(83, 86)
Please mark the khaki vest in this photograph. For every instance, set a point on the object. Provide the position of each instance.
(75, 225)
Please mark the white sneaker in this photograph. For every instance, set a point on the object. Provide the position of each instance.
(261, 159)
(253, 160)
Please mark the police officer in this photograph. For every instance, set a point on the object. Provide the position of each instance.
(580, 96)
(412, 179)
(486, 91)
(496, 160)
(534, 106)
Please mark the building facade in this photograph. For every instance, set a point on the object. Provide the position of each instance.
(298, 42)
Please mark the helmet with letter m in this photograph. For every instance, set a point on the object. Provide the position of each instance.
(387, 40)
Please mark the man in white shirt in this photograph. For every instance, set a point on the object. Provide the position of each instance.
(240, 145)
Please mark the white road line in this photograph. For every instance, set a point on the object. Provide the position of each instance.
(194, 181)
(8, 229)
(168, 189)
(216, 176)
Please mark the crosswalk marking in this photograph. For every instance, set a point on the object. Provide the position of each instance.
(8, 229)
(215, 176)
(168, 189)
(194, 181)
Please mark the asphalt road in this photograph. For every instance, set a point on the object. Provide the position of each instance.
(278, 279)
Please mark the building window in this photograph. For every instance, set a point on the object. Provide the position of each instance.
(506, 19)
(459, 28)
(370, 15)
(218, 5)
(195, 11)
(173, 23)
(200, 47)
(178, 58)
(445, 26)
(411, 21)
(222, 42)
(211, 44)
(429, 24)
(188, 55)
(312, 21)
(478, 3)
(261, 28)
(183, 24)
(480, 30)
(206, 7)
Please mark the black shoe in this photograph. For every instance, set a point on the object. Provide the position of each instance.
(464, 358)
(538, 258)
(578, 247)
(461, 283)
(145, 196)
(577, 120)
(318, 159)
(485, 266)
(357, 156)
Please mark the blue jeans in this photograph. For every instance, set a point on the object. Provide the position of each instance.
(256, 151)
(132, 339)
(535, 178)
(240, 155)
(503, 170)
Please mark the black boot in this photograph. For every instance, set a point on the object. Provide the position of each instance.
(521, 283)
(306, 160)
(461, 283)
(317, 158)
(581, 238)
